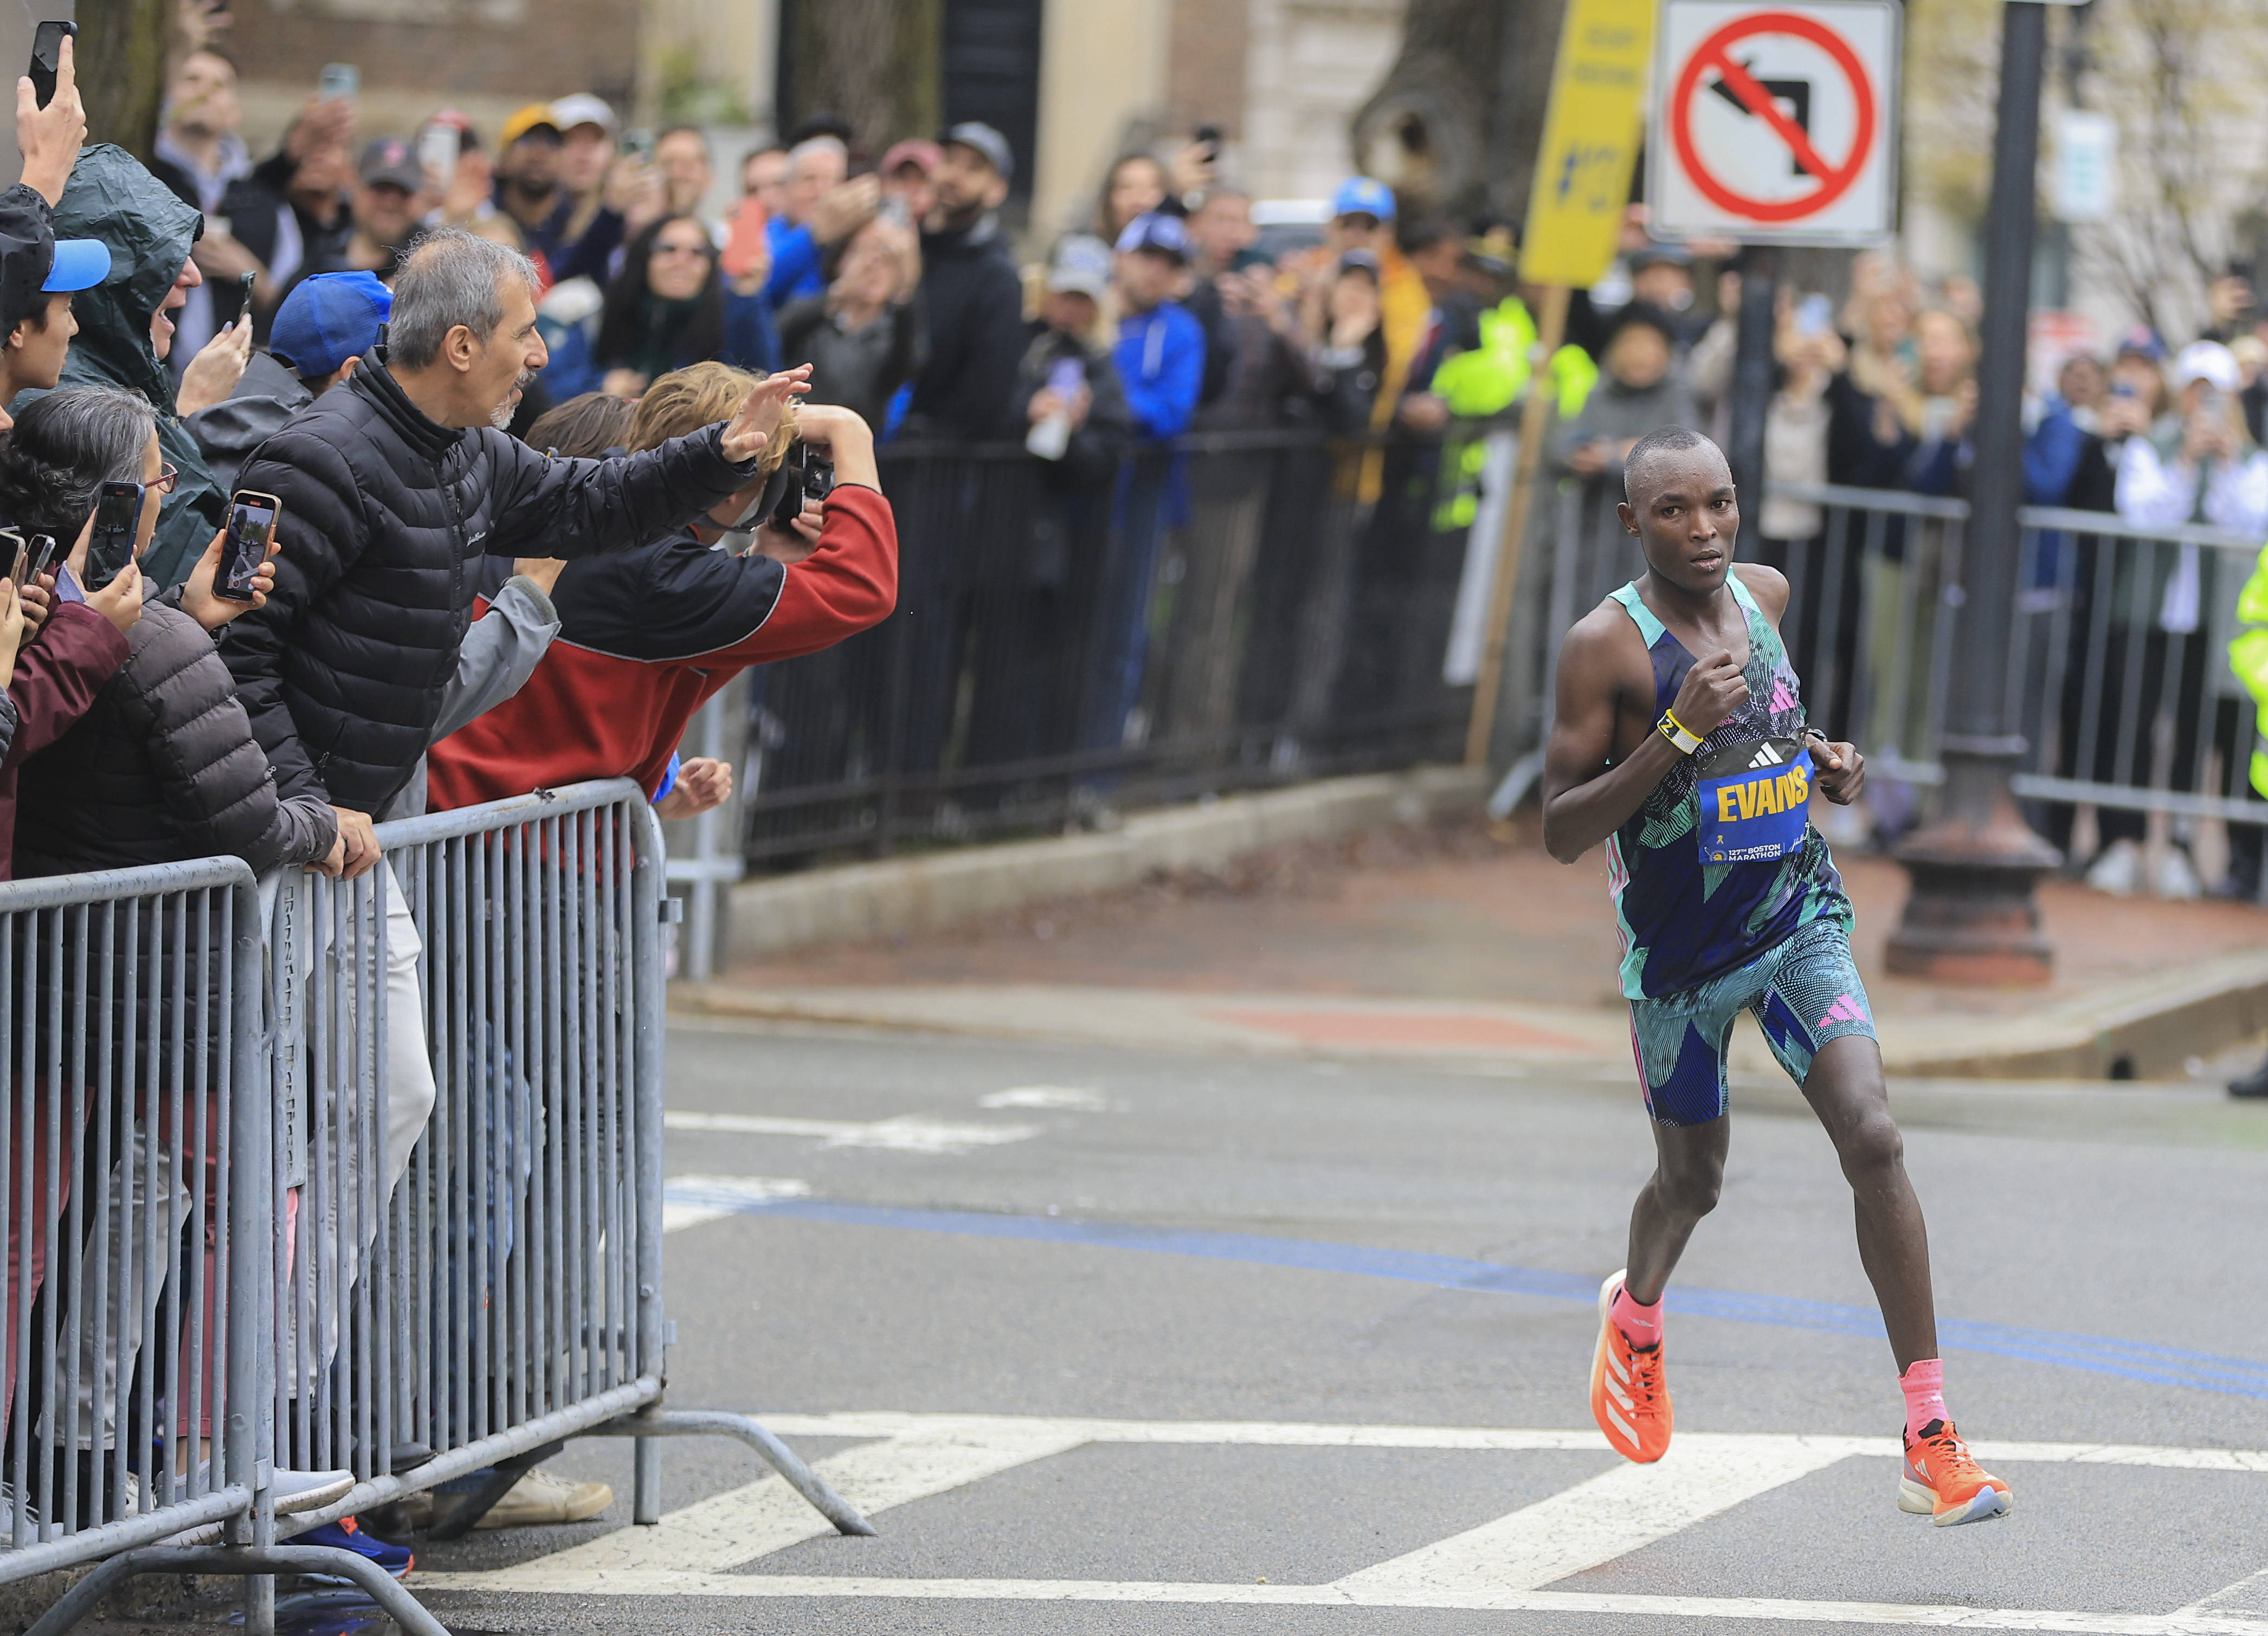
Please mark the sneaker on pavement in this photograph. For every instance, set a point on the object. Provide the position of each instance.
(346, 1534)
(1630, 1395)
(538, 1497)
(1943, 1482)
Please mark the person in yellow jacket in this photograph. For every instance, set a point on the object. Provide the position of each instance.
(2248, 657)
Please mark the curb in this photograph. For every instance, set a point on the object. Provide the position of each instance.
(2143, 1029)
(866, 902)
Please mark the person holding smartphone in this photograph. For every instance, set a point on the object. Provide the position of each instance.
(647, 636)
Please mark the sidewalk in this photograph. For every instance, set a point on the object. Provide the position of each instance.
(1442, 943)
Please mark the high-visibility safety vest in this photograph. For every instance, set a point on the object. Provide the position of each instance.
(1490, 379)
(2248, 657)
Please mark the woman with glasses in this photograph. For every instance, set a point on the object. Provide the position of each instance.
(666, 309)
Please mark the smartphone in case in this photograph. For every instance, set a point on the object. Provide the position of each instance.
(339, 80)
(439, 149)
(38, 558)
(251, 530)
(47, 57)
(117, 519)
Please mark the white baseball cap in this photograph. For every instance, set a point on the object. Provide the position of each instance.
(2207, 361)
(583, 108)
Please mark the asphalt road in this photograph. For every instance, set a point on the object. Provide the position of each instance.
(1148, 1342)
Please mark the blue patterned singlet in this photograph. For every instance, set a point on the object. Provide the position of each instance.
(1684, 921)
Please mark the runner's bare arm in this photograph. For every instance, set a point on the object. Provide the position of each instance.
(1604, 675)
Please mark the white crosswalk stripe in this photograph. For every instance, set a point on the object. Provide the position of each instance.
(1501, 1566)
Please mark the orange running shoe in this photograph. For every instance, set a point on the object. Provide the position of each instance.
(1629, 1399)
(1943, 1483)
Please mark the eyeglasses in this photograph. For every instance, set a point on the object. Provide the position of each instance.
(167, 476)
(702, 249)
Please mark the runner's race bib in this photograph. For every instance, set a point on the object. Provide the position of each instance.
(1755, 800)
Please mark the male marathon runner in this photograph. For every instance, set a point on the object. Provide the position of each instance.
(1679, 740)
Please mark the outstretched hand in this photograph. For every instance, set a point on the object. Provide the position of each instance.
(761, 411)
(211, 609)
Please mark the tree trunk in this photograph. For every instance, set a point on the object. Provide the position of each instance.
(876, 62)
(1456, 123)
(120, 52)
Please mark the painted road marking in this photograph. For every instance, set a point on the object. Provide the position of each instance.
(689, 1201)
(910, 1133)
(2098, 1354)
(1615, 1513)
(728, 1529)
(2248, 1596)
(1499, 1567)
(1073, 1098)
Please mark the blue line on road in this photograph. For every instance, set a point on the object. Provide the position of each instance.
(2098, 1354)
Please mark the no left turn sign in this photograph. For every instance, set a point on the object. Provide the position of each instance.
(1775, 123)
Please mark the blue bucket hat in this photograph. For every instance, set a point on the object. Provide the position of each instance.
(1155, 230)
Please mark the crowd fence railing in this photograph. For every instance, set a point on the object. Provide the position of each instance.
(1224, 611)
(367, 1172)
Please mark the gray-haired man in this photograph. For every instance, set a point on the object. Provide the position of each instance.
(389, 484)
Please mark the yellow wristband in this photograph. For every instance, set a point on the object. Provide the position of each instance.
(1678, 734)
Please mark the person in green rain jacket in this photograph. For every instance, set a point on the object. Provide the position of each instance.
(111, 197)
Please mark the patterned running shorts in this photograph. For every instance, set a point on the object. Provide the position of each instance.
(1803, 994)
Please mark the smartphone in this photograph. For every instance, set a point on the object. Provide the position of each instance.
(1812, 314)
(243, 297)
(638, 144)
(117, 519)
(19, 558)
(47, 57)
(439, 147)
(1208, 137)
(38, 559)
(745, 246)
(251, 531)
(339, 80)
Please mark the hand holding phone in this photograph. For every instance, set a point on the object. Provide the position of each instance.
(251, 519)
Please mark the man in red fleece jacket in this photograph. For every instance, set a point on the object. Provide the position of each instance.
(647, 636)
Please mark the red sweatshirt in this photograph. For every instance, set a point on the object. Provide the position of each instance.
(646, 636)
(58, 673)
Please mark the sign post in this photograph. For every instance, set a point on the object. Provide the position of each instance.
(1575, 208)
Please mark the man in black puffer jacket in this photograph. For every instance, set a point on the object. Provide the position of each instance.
(390, 483)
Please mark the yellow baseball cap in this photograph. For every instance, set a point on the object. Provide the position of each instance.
(535, 116)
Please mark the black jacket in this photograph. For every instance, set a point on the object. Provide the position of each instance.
(343, 670)
(976, 306)
(265, 400)
(163, 768)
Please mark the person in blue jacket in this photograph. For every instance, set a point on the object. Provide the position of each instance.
(1161, 346)
(1161, 357)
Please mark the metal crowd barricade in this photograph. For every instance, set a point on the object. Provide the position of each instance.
(131, 1126)
(2117, 651)
(449, 1197)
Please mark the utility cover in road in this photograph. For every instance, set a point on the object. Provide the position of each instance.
(1776, 124)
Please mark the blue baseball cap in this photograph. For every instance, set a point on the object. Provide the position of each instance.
(1364, 195)
(328, 319)
(1154, 230)
(80, 264)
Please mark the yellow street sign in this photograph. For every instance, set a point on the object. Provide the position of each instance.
(1590, 142)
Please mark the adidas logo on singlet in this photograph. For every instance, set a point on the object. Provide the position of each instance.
(1766, 756)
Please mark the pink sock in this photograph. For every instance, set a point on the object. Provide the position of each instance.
(1641, 1325)
(1923, 1385)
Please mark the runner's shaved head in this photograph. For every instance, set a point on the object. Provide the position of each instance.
(1654, 450)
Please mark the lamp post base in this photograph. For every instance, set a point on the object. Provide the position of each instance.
(1971, 916)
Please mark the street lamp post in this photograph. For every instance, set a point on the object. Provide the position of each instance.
(1971, 915)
